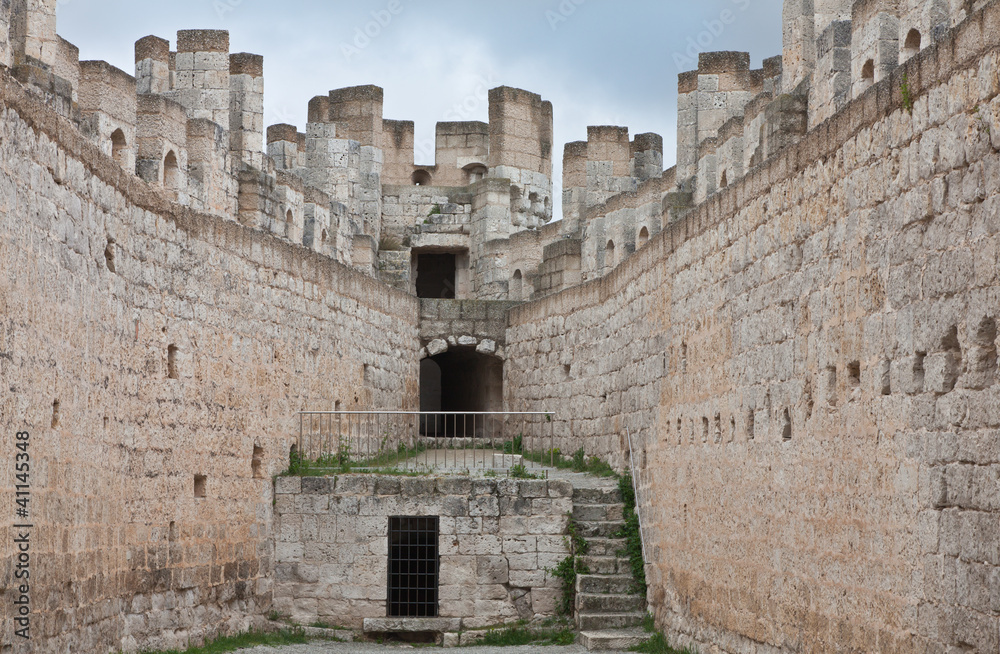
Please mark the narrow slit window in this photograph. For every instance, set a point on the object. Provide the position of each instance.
(172, 362)
(256, 461)
(200, 484)
(413, 567)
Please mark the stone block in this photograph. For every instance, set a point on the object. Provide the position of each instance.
(316, 485)
(287, 485)
(559, 488)
(484, 506)
(491, 570)
(417, 486)
(454, 486)
(411, 625)
(355, 485)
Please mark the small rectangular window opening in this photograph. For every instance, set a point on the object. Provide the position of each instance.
(413, 567)
(200, 481)
(854, 373)
(172, 362)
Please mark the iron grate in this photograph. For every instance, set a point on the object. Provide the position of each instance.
(413, 567)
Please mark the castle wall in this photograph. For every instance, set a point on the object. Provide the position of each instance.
(397, 147)
(145, 344)
(806, 363)
(520, 150)
(619, 221)
(499, 543)
(33, 36)
(246, 108)
(462, 153)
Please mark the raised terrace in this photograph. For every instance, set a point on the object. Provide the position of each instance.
(256, 364)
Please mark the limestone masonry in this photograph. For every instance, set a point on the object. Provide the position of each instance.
(796, 325)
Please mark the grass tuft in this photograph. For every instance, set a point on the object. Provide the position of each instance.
(658, 643)
(631, 533)
(579, 462)
(517, 636)
(241, 641)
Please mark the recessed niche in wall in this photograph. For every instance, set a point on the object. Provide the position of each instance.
(172, 362)
(200, 483)
(109, 256)
(854, 374)
(256, 462)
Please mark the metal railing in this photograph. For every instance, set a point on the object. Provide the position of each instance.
(425, 441)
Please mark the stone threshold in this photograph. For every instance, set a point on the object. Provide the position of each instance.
(411, 625)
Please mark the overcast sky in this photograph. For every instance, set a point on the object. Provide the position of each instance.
(600, 62)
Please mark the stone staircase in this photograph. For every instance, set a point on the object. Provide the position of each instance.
(608, 612)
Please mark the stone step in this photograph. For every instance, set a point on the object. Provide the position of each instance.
(605, 584)
(605, 546)
(614, 639)
(607, 565)
(600, 529)
(602, 621)
(598, 512)
(597, 496)
(619, 603)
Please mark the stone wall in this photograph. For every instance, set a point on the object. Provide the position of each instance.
(481, 324)
(157, 357)
(499, 539)
(807, 364)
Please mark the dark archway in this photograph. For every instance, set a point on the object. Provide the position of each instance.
(460, 381)
(436, 274)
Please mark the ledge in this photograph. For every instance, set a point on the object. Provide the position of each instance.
(411, 625)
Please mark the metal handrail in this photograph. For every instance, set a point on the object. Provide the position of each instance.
(426, 440)
(635, 491)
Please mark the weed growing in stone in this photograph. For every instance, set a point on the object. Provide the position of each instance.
(384, 462)
(630, 532)
(981, 121)
(520, 472)
(579, 462)
(249, 639)
(658, 645)
(904, 88)
(390, 243)
(521, 635)
(570, 567)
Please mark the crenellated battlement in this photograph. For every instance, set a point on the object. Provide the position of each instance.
(191, 122)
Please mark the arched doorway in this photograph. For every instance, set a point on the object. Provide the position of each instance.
(456, 384)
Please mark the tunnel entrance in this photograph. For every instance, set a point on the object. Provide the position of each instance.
(460, 381)
(435, 276)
